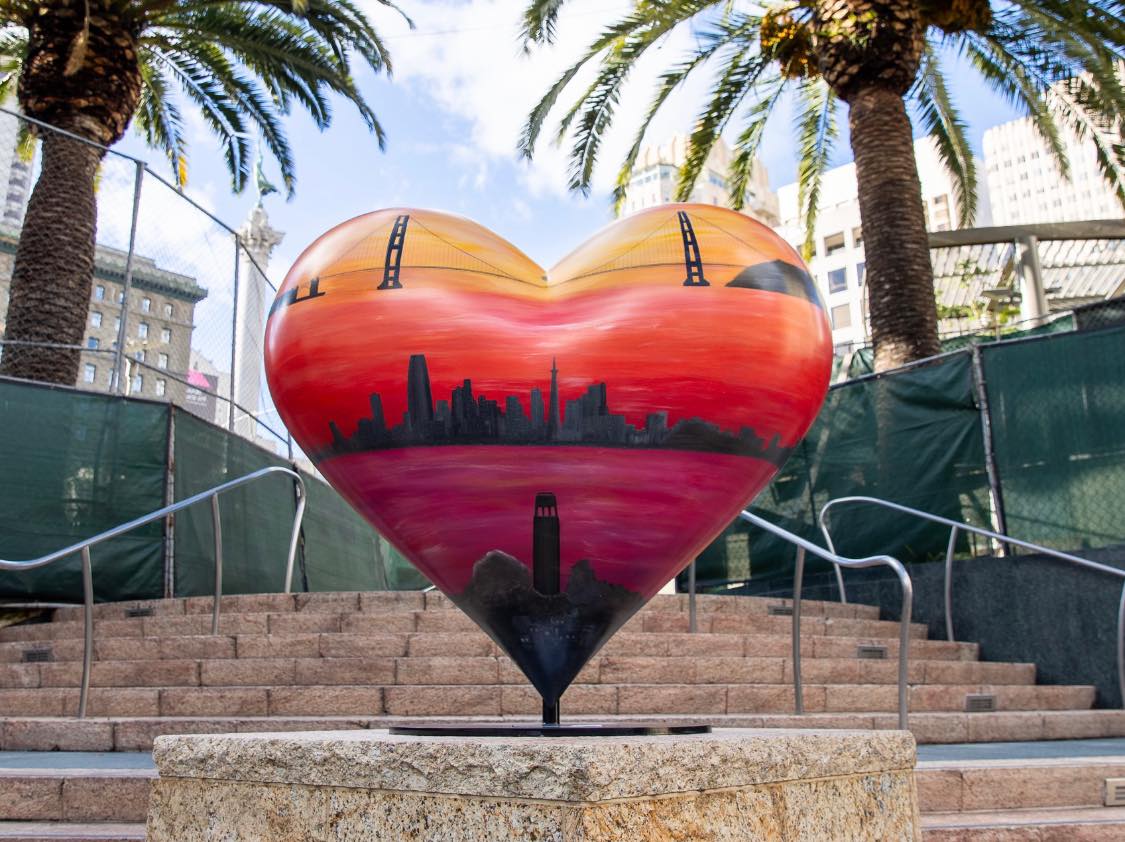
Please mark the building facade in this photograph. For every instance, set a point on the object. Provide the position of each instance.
(1025, 184)
(657, 172)
(159, 321)
(838, 263)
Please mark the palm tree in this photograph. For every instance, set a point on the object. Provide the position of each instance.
(90, 67)
(1056, 59)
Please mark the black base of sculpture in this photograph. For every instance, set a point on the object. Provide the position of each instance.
(532, 729)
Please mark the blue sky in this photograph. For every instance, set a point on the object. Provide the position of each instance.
(452, 115)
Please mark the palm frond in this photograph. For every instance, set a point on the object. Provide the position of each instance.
(743, 68)
(769, 92)
(943, 122)
(816, 133)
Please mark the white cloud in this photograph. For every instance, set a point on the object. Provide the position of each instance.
(466, 57)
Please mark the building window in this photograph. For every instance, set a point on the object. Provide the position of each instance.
(166, 335)
(160, 384)
(142, 330)
(860, 272)
(99, 293)
(837, 280)
(117, 323)
(138, 383)
(857, 237)
(139, 356)
(162, 361)
(833, 244)
(96, 319)
(120, 297)
(92, 343)
(146, 305)
(90, 373)
(168, 311)
(841, 316)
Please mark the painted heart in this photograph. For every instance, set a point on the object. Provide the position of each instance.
(549, 448)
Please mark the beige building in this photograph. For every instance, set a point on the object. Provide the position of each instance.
(838, 263)
(657, 172)
(1026, 186)
(158, 322)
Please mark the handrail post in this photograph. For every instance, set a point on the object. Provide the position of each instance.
(904, 649)
(691, 597)
(1121, 647)
(295, 537)
(88, 629)
(218, 529)
(798, 577)
(949, 584)
(840, 583)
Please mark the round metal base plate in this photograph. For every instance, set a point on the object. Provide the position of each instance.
(528, 729)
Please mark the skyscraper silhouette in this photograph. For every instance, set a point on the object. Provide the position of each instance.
(420, 403)
(545, 545)
(553, 409)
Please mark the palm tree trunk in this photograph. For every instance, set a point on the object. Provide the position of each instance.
(899, 275)
(54, 265)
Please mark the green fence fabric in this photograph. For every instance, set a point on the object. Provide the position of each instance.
(341, 552)
(913, 437)
(256, 518)
(73, 464)
(1058, 416)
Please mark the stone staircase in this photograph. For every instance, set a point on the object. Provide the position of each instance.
(366, 660)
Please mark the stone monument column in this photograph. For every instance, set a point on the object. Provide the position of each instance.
(255, 295)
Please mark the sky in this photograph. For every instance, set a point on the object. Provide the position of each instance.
(452, 112)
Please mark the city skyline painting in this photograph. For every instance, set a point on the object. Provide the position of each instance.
(586, 420)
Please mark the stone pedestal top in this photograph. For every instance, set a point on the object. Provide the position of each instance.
(570, 769)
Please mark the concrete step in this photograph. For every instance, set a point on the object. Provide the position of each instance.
(397, 601)
(71, 832)
(490, 669)
(1086, 824)
(1011, 784)
(433, 621)
(75, 795)
(136, 733)
(464, 644)
(513, 699)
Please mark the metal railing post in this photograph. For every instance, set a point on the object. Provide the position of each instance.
(295, 537)
(798, 582)
(692, 623)
(904, 649)
(127, 284)
(1121, 646)
(218, 529)
(88, 629)
(949, 584)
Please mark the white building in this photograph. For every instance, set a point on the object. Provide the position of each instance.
(1025, 185)
(657, 172)
(839, 263)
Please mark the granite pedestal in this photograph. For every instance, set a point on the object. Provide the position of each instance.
(746, 785)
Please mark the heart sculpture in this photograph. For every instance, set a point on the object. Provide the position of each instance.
(549, 449)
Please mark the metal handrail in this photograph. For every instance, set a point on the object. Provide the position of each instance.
(83, 548)
(804, 546)
(960, 526)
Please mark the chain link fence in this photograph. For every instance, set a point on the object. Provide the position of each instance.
(179, 298)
